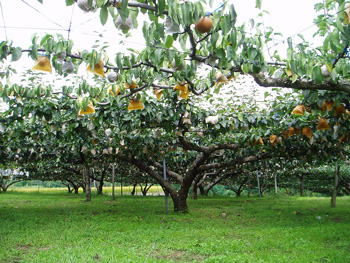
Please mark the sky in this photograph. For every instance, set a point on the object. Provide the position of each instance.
(20, 19)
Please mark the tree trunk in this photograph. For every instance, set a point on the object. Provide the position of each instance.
(194, 194)
(146, 188)
(336, 185)
(312, 191)
(76, 189)
(197, 182)
(302, 188)
(69, 190)
(182, 202)
(134, 189)
(182, 197)
(100, 188)
(201, 189)
(86, 176)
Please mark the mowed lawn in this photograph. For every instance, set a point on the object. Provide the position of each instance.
(54, 226)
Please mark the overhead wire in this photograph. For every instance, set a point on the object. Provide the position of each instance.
(33, 28)
(3, 20)
(45, 16)
(70, 23)
(307, 28)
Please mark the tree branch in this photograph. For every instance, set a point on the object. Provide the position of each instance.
(247, 159)
(172, 174)
(264, 81)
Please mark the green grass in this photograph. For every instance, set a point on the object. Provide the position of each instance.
(53, 226)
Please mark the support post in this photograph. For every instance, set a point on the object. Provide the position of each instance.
(121, 184)
(113, 173)
(275, 175)
(165, 191)
(336, 185)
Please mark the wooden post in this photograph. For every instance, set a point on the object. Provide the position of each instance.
(113, 172)
(336, 185)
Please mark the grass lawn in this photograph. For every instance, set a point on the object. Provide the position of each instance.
(54, 226)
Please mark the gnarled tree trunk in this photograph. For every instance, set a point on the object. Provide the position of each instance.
(86, 176)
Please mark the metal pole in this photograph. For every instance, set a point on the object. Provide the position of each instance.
(165, 191)
(276, 184)
(257, 175)
(113, 181)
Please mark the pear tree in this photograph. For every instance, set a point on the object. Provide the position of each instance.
(142, 106)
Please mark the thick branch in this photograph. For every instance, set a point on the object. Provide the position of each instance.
(172, 174)
(191, 146)
(247, 159)
(264, 81)
(210, 149)
(194, 169)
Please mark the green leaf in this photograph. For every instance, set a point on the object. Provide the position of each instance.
(258, 4)
(218, 41)
(118, 60)
(161, 6)
(103, 15)
(169, 41)
(68, 2)
(124, 4)
(221, 53)
(40, 1)
(100, 3)
(317, 74)
(233, 13)
(45, 38)
(245, 68)
(158, 54)
(240, 116)
(16, 53)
